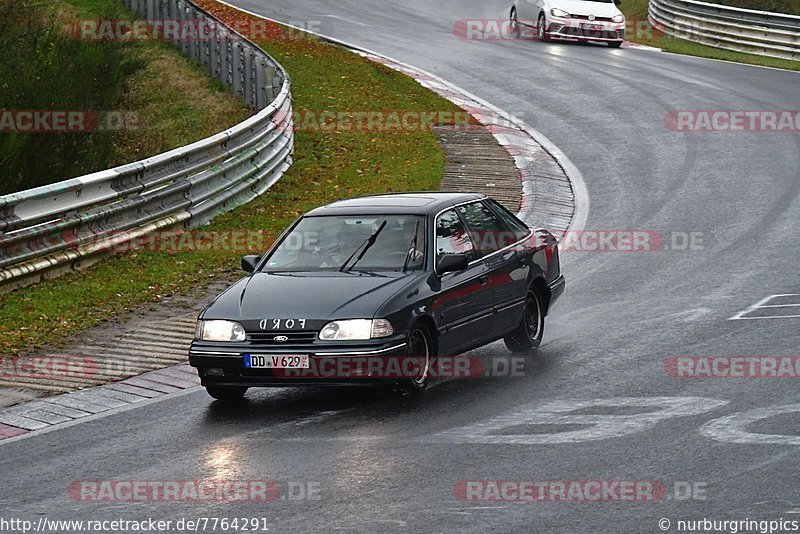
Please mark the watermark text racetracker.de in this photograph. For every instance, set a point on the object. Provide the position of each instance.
(180, 241)
(195, 524)
(185, 30)
(49, 367)
(575, 491)
(402, 367)
(67, 121)
(388, 121)
(169, 241)
(191, 491)
(629, 241)
(54, 367)
(733, 367)
(504, 29)
(732, 121)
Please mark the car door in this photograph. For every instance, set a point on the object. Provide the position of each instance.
(508, 268)
(524, 9)
(530, 11)
(464, 303)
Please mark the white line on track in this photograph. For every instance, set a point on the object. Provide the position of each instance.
(350, 21)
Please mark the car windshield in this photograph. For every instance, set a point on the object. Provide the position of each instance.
(352, 243)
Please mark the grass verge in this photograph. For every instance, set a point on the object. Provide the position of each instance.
(636, 10)
(328, 166)
(171, 100)
(792, 7)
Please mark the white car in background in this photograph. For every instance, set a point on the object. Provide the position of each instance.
(571, 20)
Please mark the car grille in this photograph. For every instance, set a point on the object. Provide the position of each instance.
(292, 338)
(578, 32)
(586, 17)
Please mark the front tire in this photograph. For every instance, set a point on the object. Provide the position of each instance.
(420, 347)
(615, 44)
(513, 24)
(528, 335)
(227, 393)
(541, 29)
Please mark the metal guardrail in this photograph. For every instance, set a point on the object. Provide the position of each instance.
(743, 30)
(53, 229)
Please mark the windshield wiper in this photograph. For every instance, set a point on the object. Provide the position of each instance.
(413, 247)
(369, 242)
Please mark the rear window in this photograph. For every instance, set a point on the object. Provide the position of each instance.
(486, 229)
(520, 229)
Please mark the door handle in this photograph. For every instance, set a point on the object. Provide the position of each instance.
(484, 279)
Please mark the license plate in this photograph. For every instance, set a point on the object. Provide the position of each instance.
(276, 361)
(592, 27)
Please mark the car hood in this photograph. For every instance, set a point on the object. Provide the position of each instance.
(582, 7)
(328, 296)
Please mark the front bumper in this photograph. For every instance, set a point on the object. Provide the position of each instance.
(576, 30)
(220, 365)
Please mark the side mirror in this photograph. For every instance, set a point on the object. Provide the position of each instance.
(249, 263)
(453, 263)
(618, 2)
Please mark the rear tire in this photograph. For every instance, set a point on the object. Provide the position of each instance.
(227, 393)
(541, 29)
(528, 335)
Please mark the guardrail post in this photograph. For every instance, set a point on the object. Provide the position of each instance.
(263, 85)
(191, 20)
(183, 20)
(216, 52)
(203, 28)
(248, 78)
(225, 63)
(237, 70)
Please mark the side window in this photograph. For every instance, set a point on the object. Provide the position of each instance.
(452, 236)
(486, 230)
(519, 228)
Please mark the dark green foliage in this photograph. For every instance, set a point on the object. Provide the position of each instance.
(43, 68)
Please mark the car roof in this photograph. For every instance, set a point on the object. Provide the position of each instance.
(398, 203)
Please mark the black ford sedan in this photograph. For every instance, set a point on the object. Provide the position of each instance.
(379, 288)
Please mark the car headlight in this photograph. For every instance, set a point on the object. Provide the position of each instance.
(618, 18)
(559, 13)
(219, 331)
(356, 329)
